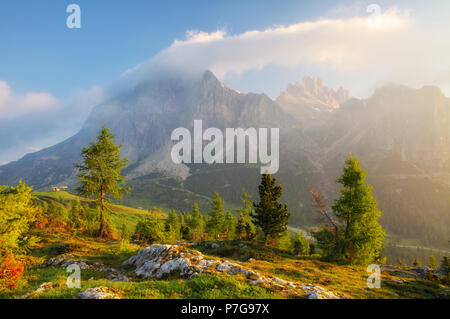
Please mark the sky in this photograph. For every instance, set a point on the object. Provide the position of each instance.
(51, 76)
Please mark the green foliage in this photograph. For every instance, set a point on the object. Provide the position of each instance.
(77, 215)
(417, 263)
(284, 241)
(229, 225)
(444, 268)
(196, 223)
(359, 238)
(17, 211)
(150, 230)
(433, 262)
(172, 227)
(300, 244)
(124, 232)
(215, 225)
(270, 215)
(241, 227)
(99, 173)
(186, 232)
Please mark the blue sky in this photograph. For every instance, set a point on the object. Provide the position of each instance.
(51, 76)
(42, 54)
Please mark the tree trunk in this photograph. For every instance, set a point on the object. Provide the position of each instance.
(102, 233)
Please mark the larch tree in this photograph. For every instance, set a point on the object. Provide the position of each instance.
(100, 174)
(356, 235)
(215, 223)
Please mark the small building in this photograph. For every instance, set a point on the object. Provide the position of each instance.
(58, 188)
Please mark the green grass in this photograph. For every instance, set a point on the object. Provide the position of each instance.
(268, 261)
(119, 214)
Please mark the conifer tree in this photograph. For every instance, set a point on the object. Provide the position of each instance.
(269, 214)
(196, 223)
(215, 224)
(99, 174)
(173, 226)
(241, 230)
(229, 225)
(357, 237)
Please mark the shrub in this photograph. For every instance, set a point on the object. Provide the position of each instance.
(150, 230)
(17, 213)
(300, 244)
(10, 272)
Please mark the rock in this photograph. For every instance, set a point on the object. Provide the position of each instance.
(399, 281)
(118, 277)
(317, 292)
(98, 293)
(279, 281)
(159, 260)
(42, 288)
(214, 246)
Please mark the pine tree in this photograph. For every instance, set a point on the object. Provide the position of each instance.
(241, 229)
(247, 210)
(229, 225)
(99, 174)
(269, 214)
(196, 223)
(357, 237)
(173, 226)
(215, 224)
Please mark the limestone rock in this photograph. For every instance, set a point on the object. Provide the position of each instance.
(98, 293)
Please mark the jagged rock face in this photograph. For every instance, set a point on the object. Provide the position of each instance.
(143, 121)
(411, 124)
(310, 101)
(400, 135)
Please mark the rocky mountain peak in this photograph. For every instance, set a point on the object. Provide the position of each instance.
(313, 91)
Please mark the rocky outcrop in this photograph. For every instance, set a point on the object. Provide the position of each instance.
(98, 293)
(64, 261)
(159, 261)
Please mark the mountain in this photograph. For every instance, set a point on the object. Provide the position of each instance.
(401, 135)
(143, 121)
(310, 102)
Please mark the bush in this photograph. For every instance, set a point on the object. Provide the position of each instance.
(300, 244)
(150, 230)
(17, 213)
(10, 272)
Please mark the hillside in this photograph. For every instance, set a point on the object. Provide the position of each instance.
(231, 268)
(401, 136)
(344, 281)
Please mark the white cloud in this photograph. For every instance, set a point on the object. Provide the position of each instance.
(362, 50)
(32, 121)
(342, 44)
(13, 105)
